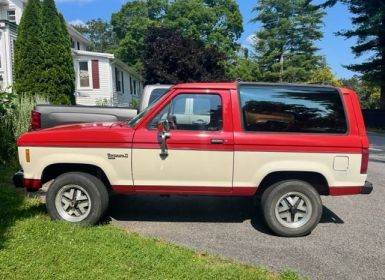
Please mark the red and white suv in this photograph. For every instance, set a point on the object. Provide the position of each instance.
(287, 144)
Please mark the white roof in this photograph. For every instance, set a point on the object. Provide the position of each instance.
(77, 35)
(97, 54)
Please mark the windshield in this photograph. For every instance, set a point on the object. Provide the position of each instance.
(133, 122)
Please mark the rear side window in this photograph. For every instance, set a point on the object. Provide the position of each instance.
(292, 109)
(156, 94)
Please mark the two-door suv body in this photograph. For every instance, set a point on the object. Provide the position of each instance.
(286, 144)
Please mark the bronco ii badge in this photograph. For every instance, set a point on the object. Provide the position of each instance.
(114, 156)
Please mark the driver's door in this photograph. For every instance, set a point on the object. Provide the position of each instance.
(200, 147)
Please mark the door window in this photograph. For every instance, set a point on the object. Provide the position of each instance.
(197, 112)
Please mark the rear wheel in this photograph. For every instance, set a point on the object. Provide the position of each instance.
(77, 198)
(291, 208)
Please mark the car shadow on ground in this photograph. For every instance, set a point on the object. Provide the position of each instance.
(202, 209)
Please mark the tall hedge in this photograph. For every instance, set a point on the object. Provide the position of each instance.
(58, 69)
(29, 51)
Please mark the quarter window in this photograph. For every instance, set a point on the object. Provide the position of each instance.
(292, 109)
(199, 112)
(84, 74)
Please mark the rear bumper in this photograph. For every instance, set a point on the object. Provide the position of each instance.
(367, 188)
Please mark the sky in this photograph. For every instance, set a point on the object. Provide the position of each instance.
(336, 49)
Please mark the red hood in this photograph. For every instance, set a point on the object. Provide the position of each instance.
(87, 135)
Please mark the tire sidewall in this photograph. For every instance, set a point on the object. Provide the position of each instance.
(275, 192)
(98, 196)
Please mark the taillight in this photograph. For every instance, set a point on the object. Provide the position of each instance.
(364, 160)
(35, 120)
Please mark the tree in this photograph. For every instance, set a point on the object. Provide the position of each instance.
(101, 35)
(170, 58)
(323, 75)
(285, 45)
(130, 25)
(58, 69)
(369, 23)
(29, 52)
(217, 23)
(369, 94)
(243, 68)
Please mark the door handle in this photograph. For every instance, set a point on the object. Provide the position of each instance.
(217, 141)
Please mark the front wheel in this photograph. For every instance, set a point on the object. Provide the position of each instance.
(77, 197)
(291, 208)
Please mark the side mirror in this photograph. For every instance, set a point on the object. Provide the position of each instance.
(163, 126)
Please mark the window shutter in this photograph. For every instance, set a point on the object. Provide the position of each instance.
(95, 74)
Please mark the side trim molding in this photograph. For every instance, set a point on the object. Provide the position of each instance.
(173, 190)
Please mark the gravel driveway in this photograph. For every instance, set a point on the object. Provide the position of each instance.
(349, 243)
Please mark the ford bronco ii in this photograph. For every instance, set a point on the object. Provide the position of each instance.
(286, 144)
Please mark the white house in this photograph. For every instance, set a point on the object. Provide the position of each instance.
(10, 14)
(100, 77)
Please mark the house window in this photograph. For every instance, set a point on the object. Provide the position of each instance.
(118, 80)
(122, 82)
(84, 74)
(72, 43)
(134, 87)
(78, 44)
(131, 85)
(13, 44)
(0, 52)
(11, 14)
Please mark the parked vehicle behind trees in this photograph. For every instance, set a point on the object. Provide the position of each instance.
(288, 144)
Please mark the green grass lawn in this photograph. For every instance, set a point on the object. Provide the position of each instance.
(33, 247)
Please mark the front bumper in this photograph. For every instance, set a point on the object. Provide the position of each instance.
(18, 179)
(32, 185)
(367, 188)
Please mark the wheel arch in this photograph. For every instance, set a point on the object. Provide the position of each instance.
(52, 171)
(316, 179)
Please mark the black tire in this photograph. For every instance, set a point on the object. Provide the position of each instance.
(89, 186)
(278, 193)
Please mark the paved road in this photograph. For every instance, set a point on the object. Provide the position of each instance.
(349, 243)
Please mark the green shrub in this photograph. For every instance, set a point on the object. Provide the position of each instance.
(103, 102)
(6, 102)
(15, 119)
(134, 104)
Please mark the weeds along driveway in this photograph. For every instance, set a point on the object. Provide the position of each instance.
(348, 243)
